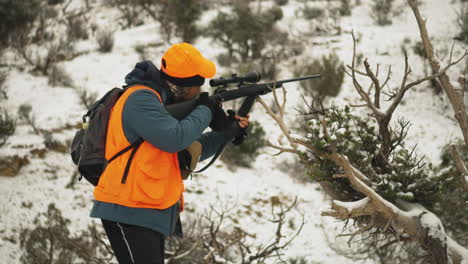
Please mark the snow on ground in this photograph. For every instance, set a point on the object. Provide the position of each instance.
(248, 190)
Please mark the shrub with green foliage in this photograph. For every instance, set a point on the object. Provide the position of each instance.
(176, 17)
(16, 16)
(405, 176)
(50, 241)
(249, 38)
(105, 40)
(77, 28)
(281, 2)
(324, 16)
(130, 11)
(244, 155)
(311, 12)
(7, 127)
(462, 21)
(26, 115)
(331, 78)
(183, 14)
(345, 8)
(382, 12)
(7, 123)
(54, 2)
(297, 260)
(58, 76)
(451, 208)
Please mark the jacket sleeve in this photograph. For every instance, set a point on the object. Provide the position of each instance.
(210, 142)
(144, 116)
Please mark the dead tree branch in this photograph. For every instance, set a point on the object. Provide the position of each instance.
(463, 176)
(455, 95)
(383, 117)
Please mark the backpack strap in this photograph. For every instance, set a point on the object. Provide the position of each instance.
(136, 144)
(133, 145)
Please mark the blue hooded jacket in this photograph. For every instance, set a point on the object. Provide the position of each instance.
(144, 116)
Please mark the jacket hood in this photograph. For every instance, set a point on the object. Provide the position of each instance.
(145, 73)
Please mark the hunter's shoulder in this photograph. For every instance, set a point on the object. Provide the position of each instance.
(143, 96)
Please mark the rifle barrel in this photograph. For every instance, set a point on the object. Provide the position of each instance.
(299, 79)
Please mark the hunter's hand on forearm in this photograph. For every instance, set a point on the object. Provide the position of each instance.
(243, 121)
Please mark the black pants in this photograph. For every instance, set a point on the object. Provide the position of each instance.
(135, 244)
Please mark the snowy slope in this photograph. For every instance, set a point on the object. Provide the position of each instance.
(43, 180)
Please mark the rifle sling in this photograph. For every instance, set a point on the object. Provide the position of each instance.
(218, 152)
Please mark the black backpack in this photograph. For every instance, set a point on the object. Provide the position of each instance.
(89, 144)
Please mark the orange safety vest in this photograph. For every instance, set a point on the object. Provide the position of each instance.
(154, 179)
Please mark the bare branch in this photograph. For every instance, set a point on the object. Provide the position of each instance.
(278, 120)
(365, 96)
(454, 96)
(357, 71)
(282, 150)
(361, 105)
(463, 176)
(375, 81)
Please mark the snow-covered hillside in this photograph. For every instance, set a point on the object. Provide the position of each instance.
(248, 191)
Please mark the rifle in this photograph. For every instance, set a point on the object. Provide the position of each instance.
(247, 87)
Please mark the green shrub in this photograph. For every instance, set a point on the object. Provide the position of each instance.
(418, 49)
(244, 155)
(462, 21)
(251, 40)
(331, 78)
(281, 2)
(225, 60)
(130, 11)
(312, 12)
(50, 241)
(345, 8)
(87, 98)
(452, 208)
(183, 14)
(297, 260)
(16, 16)
(59, 77)
(245, 34)
(54, 2)
(404, 177)
(382, 12)
(77, 28)
(25, 114)
(7, 127)
(105, 40)
(7, 124)
(176, 17)
(3, 93)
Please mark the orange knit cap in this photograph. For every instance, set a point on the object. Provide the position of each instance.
(184, 61)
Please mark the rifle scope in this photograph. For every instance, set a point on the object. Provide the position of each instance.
(249, 77)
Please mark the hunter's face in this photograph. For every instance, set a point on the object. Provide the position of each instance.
(189, 93)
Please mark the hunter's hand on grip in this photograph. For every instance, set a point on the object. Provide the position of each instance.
(205, 100)
(219, 119)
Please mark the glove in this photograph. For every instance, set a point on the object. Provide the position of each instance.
(219, 119)
(205, 100)
(237, 133)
